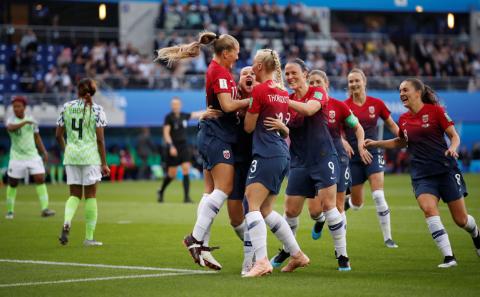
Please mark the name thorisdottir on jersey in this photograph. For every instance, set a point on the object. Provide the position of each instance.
(80, 123)
(23, 140)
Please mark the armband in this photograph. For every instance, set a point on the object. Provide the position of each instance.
(351, 120)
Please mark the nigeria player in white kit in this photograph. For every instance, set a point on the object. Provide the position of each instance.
(84, 158)
(26, 145)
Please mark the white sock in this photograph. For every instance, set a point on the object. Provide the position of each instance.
(206, 238)
(293, 223)
(344, 216)
(248, 251)
(471, 226)
(337, 230)
(353, 206)
(240, 230)
(279, 226)
(258, 233)
(383, 213)
(207, 211)
(321, 218)
(440, 235)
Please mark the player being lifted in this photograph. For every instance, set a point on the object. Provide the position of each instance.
(24, 158)
(84, 158)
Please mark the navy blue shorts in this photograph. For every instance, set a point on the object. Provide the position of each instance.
(308, 181)
(214, 150)
(270, 172)
(239, 180)
(448, 186)
(344, 179)
(360, 172)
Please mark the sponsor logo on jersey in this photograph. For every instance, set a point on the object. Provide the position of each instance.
(331, 116)
(371, 110)
(226, 154)
(223, 83)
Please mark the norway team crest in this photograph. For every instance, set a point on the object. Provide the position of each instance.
(331, 116)
(371, 110)
(425, 118)
(226, 154)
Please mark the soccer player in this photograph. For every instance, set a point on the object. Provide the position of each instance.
(84, 157)
(175, 136)
(314, 167)
(216, 135)
(269, 166)
(434, 170)
(368, 109)
(26, 143)
(339, 117)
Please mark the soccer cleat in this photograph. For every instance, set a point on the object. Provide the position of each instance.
(92, 242)
(344, 263)
(296, 261)
(195, 248)
(389, 243)
(476, 242)
(317, 230)
(279, 258)
(47, 213)
(346, 204)
(248, 263)
(64, 235)
(208, 258)
(448, 261)
(159, 196)
(262, 267)
(9, 215)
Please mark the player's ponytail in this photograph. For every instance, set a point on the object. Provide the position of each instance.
(271, 61)
(86, 90)
(427, 94)
(175, 53)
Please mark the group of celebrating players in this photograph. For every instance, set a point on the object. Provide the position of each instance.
(243, 139)
(333, 147)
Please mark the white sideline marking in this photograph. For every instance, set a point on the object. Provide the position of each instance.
(172, 272)
(94, 279)
(104, 266)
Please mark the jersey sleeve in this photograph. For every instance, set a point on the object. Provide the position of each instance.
(187, 116)
(255, 101)
(444, 118)
(220, 83)
(10, 120)
(35, 125)
(384, 111)
(61, 120)
(100, 117)
(319, 95)
(401, 134)
(167, 120)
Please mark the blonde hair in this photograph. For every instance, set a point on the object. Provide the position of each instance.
(178, 52)
(322, 75)
(270, 59)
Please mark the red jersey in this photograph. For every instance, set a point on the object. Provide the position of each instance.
(337, 113)
(425, 135)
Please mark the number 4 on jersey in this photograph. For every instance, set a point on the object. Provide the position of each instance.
(78, 128)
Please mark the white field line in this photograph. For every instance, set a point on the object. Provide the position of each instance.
(106, 266)
(94, 279)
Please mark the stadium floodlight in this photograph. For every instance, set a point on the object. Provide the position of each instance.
(450, 21)
(102, 12)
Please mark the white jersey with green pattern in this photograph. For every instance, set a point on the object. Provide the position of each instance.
(23, 139)
(81, 122)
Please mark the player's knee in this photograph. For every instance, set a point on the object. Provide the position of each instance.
(12, 182)
(460, 220)
(292, 213)
(429, 210)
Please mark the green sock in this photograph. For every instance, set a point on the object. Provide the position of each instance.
(70, 209)
(52, 174)
(42, 195)
(11, 194)
(90, 217)
(60, 174)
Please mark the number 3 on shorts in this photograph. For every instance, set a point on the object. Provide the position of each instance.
(253, 167)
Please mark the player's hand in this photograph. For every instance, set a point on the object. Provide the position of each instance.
(29, 122)
(348, 148)
(105, 170)
(173, 151)
(370, 143)
(273, 124)
(211, 113)
(451, 153)
(365, 155)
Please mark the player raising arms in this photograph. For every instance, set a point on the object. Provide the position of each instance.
(270, 164)
(314, 167)
(339, 116)
(24, 157)
(216, 135)
(368, 109)
(434, 171)
(85, 162)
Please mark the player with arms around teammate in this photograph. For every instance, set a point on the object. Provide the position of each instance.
(269, 166)
(216, 135)
(84, 157)
(178, 151)
(434, 171)
(368, 110)
(24, 158)
(339, 117)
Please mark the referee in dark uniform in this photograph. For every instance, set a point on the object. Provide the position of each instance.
(178, 151)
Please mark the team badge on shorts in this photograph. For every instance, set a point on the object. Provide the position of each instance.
(371, 110)
(226, 154)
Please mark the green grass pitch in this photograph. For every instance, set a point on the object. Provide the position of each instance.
(137, 231)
